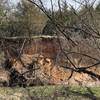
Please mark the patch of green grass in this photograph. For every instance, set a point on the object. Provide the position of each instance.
(49, 90)
(95, 90)
(59, 91)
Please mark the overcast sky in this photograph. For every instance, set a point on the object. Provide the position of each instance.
(70, 2)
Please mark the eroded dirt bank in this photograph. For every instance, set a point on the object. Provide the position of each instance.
(42, 59)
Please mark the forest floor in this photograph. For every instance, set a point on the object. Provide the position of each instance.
(52, 92)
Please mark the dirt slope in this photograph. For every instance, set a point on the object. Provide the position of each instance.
(47, 55)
